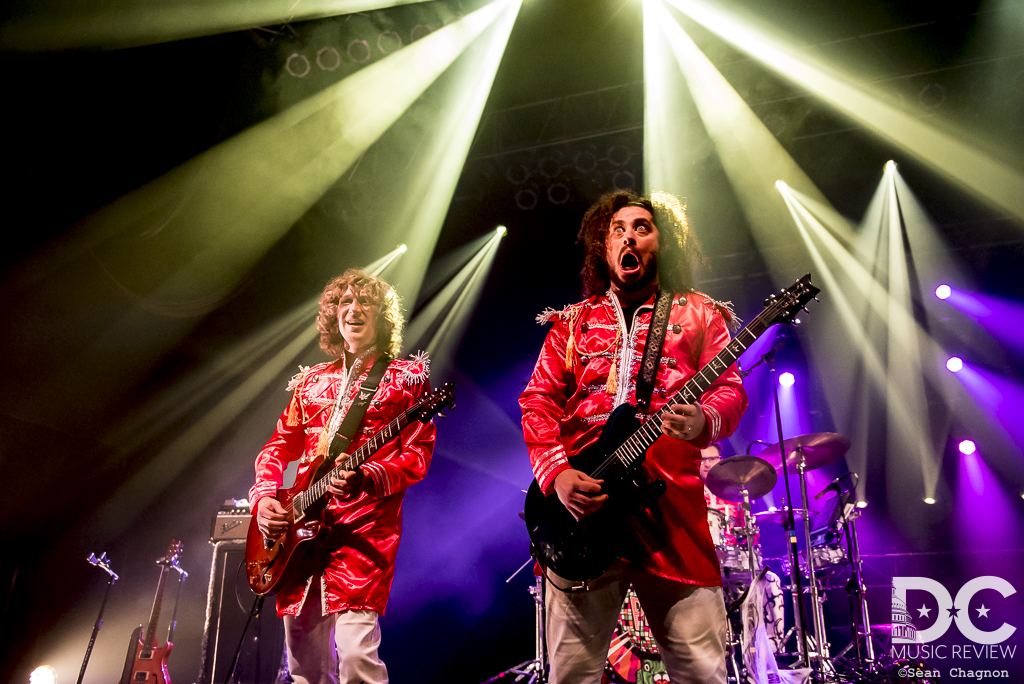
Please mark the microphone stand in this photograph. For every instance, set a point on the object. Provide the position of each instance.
(789, 525)
(103, 564)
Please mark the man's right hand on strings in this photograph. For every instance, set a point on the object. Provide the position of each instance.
(579, 493)
(272, 518)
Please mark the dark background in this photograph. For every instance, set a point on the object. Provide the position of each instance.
(564, 123)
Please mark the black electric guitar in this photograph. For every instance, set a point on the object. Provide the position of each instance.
(271, 568)
(582, 550)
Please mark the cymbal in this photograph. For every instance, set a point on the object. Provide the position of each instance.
(817, 449)
(778, 515)
(730, 476)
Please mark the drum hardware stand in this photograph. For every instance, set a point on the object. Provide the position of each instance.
(104, 565)
(858, 590)
(817, 598)
(530, 671)
(789, 526)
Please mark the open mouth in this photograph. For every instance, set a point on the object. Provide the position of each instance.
(629, 262)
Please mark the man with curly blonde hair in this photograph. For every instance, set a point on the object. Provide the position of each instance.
(331, 620)
(589, 365)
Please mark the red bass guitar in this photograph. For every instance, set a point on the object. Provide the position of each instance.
(271, 568)
(147, 660)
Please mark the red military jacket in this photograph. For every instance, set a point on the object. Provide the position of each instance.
(365, 531)
(589, 365)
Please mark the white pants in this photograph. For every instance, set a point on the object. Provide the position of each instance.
(687, 621)
(327, 649)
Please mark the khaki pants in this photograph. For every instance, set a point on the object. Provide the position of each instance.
(327, 649)
(687, 621)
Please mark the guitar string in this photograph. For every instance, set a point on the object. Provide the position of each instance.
(648, 429)
(630, 445)
(321, 486)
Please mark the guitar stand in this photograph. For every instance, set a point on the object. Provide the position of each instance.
(530, 671)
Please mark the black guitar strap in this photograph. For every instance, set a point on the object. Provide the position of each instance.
(358, 409)
(652, 349)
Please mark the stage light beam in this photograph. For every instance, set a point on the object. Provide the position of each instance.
(246, 192)
(967, 447)
(956, 156)
(787, 379)
(955, 364)
(943, 291)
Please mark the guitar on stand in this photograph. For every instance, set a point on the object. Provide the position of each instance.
(146, 662)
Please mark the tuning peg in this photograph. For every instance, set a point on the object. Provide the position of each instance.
(816, 299)
(806, 311)
(441, 414)
(796, 322)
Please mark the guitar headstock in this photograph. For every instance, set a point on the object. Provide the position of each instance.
(784, 307)
(173, 555)
(441, 398)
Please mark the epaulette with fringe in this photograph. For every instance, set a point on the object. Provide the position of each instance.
(293, 386)
(548, 314)
(418, 369)
(732, 321)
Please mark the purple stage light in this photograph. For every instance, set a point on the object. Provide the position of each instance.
(943, 291)
(786, 379)
(955, 364)
(968, 447)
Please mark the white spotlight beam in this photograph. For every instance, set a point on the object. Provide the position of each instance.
(64, 25)
(750, 155)
(446, 340)
(953, 155)
(427, 201)
(246, 193)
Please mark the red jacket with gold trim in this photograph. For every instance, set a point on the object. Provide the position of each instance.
(359, 564)
(589, 365)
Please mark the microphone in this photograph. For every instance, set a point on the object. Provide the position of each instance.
(764, 357)
(834, 485)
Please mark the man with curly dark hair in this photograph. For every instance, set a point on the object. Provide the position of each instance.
(331, 620)
(588, 366)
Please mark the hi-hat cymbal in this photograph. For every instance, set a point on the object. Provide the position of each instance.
(816, 450)
(778, 515)
(732, 475)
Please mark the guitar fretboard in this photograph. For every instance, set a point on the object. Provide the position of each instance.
(318, 489)
(633, 449)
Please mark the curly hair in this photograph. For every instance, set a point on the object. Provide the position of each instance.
(676, 246)
(388, 321)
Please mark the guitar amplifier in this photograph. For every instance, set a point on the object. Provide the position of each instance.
(231, 521)
(228, 602)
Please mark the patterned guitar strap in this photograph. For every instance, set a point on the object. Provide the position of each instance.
(356, 412)
(652, 350)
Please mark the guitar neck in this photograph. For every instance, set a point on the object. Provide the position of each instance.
(318, 489)
(154, 614)
(634, 448)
